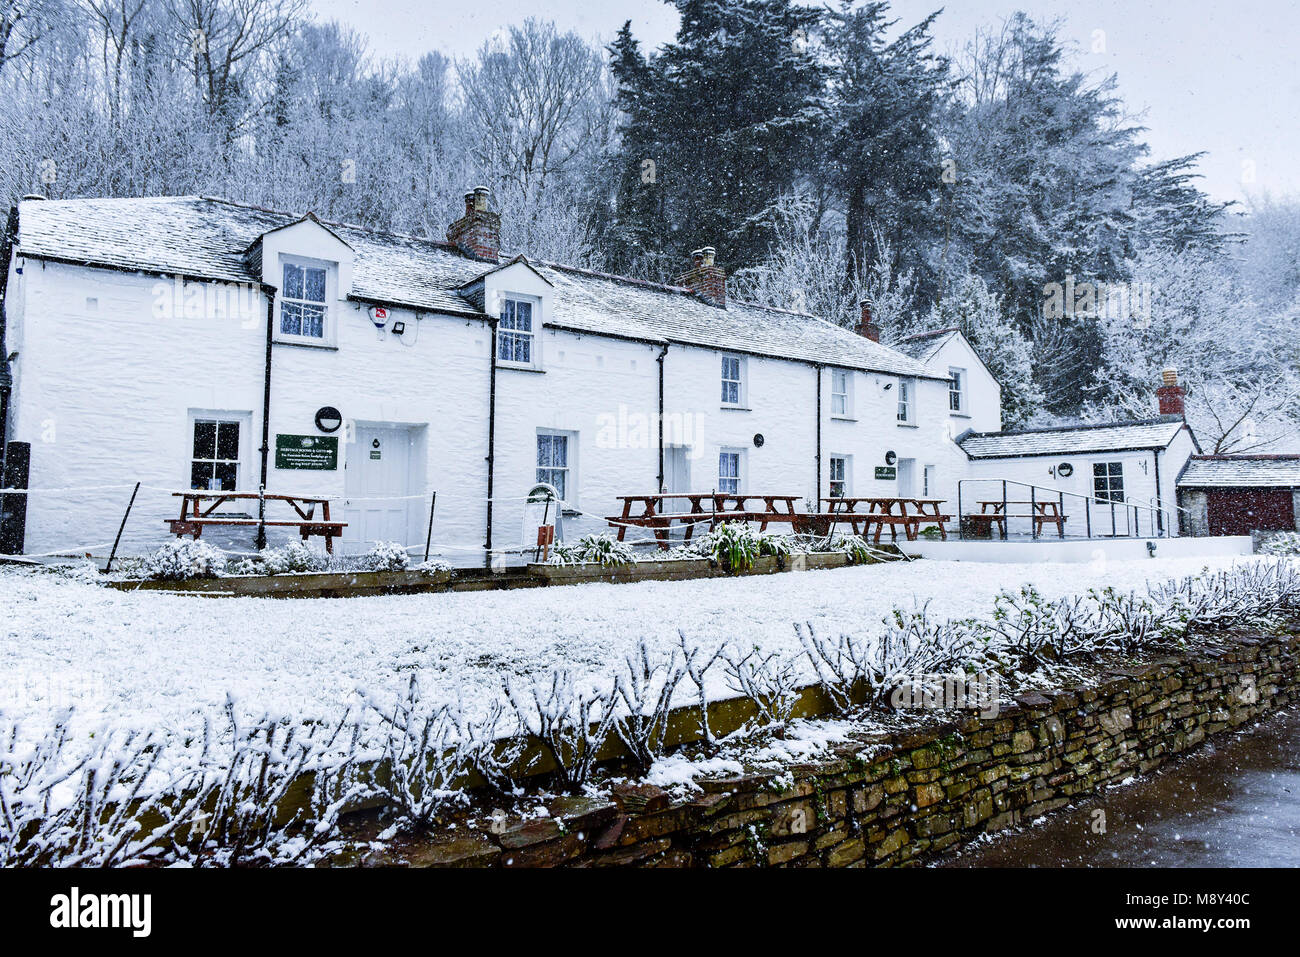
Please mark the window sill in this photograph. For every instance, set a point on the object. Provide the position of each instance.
(908, 425)
(516, 367)
(735, 408)
(844, 418)
(959, 415)
(305, 344)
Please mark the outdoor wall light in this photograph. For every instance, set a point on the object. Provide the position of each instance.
(888, 386)
(399, 327)
(328, 418)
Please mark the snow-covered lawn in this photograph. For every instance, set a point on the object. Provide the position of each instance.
(148, 660)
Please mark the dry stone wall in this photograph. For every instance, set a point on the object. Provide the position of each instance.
(899, 799)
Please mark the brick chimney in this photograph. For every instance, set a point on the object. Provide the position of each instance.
(707, 280)
(478, 232)
(1171, 394)
(866, 327)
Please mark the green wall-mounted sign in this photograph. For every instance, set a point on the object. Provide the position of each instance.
(886, 473)
(315, 452)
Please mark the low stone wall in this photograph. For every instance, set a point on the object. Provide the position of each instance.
(897, 799)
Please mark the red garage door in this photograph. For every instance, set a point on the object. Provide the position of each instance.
(1241, 511)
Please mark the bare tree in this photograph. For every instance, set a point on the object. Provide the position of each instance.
(534, 102)
(226, 38)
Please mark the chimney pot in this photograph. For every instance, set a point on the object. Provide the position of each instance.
(707, 279)
(1171, 396)
(478, 232)
(866, 327)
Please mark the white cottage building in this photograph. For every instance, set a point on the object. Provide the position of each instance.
(190, 342)
(181, 342)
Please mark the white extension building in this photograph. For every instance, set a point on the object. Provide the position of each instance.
(197, 343)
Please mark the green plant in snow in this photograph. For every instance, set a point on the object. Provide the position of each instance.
(592, 550)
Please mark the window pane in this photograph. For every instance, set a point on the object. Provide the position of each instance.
(226, 475)
(314, 281)
(560, 450)
(293, 281)
(200, 473)
(524, 315)
(205, 440)
(291, 318)
(313, 321)
(228, 440)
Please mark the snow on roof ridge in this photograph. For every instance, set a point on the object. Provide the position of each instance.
(1077, 428)
(1249, 457)
(929, 333)
(373, 230)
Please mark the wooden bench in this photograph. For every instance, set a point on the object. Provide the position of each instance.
(995, 512)
(194, 517)
(892, 512)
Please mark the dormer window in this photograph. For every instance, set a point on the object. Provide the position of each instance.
(515, 333)
(304, 301)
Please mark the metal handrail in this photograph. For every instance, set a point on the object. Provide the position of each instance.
(1132, 526)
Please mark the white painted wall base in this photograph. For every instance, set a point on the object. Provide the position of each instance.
(1121, 549)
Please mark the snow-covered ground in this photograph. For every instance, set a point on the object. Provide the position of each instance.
(148, 660)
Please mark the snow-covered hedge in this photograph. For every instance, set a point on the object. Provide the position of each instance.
(386, 557)
(1283, 543)
(179, 560)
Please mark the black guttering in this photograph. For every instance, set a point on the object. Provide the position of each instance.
(663, 354)
(6, 380)
(817, 489)
(266, 417)
(492, 436)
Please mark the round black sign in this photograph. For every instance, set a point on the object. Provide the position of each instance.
(1065, 470)
(328, 418)
(890, 458)
(759, 440)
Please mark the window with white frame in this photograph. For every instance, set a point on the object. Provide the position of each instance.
(214, 455)
(929, 480)
(554, 461)
(729, 464)
(956, 390)
(840, 475)
(733, 386)
(841, 398)
(906, 403)
(303, 310)
(1108, 481)
(515, 332)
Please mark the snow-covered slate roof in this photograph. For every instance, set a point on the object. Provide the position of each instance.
(207, 238)
(923, 345)
(1068, 440)
(1241, 471)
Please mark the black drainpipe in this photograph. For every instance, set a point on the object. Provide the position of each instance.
(1160, 512)
(6, 254)
(266, 419)
(817, 493)
(662, 354)
(492, 438)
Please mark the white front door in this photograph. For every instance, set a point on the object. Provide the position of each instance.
(677, 476)
(906, 478)
(378, 475)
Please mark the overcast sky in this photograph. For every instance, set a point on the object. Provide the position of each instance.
(1218, 76)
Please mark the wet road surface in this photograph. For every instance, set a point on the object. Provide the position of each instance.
(1235, 802)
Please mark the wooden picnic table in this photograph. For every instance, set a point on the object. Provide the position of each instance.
(195, 516)
(908, 511)
(649, 511)
(1041, 512)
